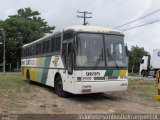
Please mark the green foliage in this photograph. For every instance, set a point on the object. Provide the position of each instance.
(135, 56)
(24, 27)
(143, 88)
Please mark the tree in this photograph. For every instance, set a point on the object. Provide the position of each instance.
(24, 27)
(135, 56)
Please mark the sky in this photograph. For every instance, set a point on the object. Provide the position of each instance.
(106, 13)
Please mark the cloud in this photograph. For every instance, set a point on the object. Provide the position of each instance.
(108, 13)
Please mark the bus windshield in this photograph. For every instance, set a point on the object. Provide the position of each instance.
(89, 51)
(94, 51)
(115, 51)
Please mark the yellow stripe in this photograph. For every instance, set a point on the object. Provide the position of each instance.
(158, 86)
(38, 61)
(34, 71)
(158, 74)
(122, 73)
(24, 72)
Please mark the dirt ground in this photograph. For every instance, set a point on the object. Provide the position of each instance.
(40, 99)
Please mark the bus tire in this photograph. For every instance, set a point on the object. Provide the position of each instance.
(59, 88)
(142, 73)
(28, 77)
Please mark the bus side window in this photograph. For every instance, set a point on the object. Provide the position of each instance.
(68, 36)
(64, 53)
(52, 44)
(34, 50)
(38, 48)
(30, 49)
(44, 47)
(47, 46)
(55, 44)
(27, 51)
(58, 44)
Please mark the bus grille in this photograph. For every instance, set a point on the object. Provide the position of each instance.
(99, 78)
(113, 77)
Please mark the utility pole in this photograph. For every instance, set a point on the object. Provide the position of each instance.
(84, 16)
(4, 57)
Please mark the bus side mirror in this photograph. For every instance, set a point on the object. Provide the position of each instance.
(70, 64)
(126, 48)
(142, 61)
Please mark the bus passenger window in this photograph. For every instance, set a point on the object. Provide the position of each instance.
(43, 47)
(52, 44)
(58, 44)
(64, 52)
(47, 46)
(67, 36)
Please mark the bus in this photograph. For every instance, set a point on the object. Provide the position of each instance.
(78, 59)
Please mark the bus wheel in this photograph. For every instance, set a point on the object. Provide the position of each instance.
(59, 88)
(142, 73)
(28, 77)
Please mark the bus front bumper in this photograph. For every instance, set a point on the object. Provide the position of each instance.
(99, 87)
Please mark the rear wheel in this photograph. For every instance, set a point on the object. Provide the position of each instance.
(59, 88)
(28, 77)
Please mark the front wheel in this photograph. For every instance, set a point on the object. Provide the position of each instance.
(59, 88)
(145, 73)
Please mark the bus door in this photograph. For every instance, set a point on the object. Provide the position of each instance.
(66, 55)
(67, 60)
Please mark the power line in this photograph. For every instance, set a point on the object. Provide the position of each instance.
(93, 5)
(154, 12)
(73, 21)
(103, 6)
(142, 25)
(102, 3)
(84, 16)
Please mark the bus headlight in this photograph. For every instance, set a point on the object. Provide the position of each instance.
(123, 77)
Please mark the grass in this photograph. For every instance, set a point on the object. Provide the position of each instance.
(142, 88)
(11, 81)
(134, 74)
(13, 84)
(11, 88)
(14, 89)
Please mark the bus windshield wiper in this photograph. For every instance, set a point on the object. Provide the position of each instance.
(100, 58)
(109, 57)
(97, 62)
(117, 66)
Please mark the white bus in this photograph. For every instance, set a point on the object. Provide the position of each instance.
(78, 60)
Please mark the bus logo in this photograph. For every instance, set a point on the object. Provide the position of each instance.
(55, 62)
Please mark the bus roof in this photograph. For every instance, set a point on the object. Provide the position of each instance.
(96, 29)
(81, 28)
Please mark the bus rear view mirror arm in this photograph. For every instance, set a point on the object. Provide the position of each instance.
(70, 64)
(126, 47)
